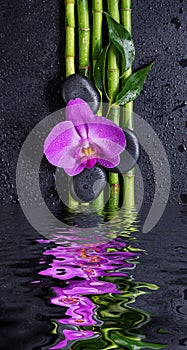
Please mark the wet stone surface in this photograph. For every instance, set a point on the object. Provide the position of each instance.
(129, 157)
(86, 186)
(78, 86)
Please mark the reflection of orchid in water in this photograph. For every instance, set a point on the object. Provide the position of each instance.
(87, 262)
(70, 335)
(95, 301)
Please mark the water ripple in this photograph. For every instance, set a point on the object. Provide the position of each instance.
(97, 294)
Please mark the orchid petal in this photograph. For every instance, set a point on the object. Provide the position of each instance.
(56, 131)
(79, 112)
(109, 163)
(61, 143)
(107, 135)
(90, 163)
(76, 169)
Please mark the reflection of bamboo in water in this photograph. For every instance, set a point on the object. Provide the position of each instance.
(121, 323)
(128, 219)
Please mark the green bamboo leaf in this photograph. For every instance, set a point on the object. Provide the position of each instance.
(134, 343)
(100, 70)
(133, 86)
(121, 38)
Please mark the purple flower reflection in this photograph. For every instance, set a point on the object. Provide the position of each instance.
(72, 335)
(80, 308)
(88, 287)
(87, 263)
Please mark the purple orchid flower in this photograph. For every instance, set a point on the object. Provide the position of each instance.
(84, 140)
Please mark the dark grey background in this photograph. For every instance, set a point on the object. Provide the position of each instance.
(32, 41)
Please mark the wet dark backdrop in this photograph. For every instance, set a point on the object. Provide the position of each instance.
(32, 37)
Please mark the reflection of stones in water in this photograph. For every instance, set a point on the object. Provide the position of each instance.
(88, 217)
(84, 220)
(89, 227)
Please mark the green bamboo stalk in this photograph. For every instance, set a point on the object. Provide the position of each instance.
(97, 15)
(113, 88)
(128, 118)
(70, 37)
(70, 57)
(84, 37)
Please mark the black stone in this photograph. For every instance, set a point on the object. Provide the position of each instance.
(78, 86)
(130, 155)
(86, 186)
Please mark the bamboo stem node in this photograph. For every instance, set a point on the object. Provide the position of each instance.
(84, 29)
(128, 175)
(98, 11)
(70, 27)
(84, 67)
(114, 106)
(126, 9)
(113, 70)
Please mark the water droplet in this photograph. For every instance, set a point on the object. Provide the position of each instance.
(184, 197)
(181, 148)
(176, 22)
(183, 342)
(183, 63)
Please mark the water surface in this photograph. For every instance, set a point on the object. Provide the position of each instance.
(127, 291)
